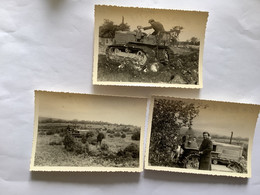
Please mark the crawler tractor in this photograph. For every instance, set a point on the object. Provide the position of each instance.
(141, 50)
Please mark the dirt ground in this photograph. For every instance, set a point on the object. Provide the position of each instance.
(182, 70)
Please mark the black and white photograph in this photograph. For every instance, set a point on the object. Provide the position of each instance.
(148, 47)
(204, 137)
(76, 132)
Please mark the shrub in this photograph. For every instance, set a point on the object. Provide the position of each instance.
(49, 132)
(110, 131)
(90, 134)
(110, 135)
(93, 142)
(104, 147)
(117, 134)
(53, 143)
(69, 142)
(123, 135)
(126, 130)
(79, 148)
(136, 136)
(83, 139)
(133, 150)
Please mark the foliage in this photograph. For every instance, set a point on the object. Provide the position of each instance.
(136, 135)
(84, 139)
(54, 143)
(126, 130)
(131, 150)
(175, 32)
(50, 132)
(117, 134)
(123, 135)
(90, 134)
(93, 142)
(100, 137)
(69, 142)
(194, 41)
(78, 148)
(104, 147)
(110, 131)
(169, 116)
(108, 28)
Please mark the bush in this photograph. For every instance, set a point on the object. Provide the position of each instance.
(90, 134)
(117, 134)
(93, 142)
(83, 139)
(132, 149)
(110, 131)
(54, 143)
(110, 135)
(49, 132)
(79, 148)
(136, 136)
(69, 142)
(104, 147)
(126, 130)
(123, 135)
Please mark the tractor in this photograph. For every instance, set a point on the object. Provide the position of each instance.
(139, 49)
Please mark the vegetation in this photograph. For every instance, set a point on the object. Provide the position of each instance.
(169, 116)
(136, 135)
(62, 145)
(108, 28)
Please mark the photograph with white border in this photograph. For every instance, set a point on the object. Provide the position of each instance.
(200, 136)
(82, 132)
(148, 47)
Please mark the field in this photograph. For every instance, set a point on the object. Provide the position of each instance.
(119, 147)
(182, 70)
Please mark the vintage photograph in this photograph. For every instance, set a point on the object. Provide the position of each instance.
(200, 136)
(148, 47)
(80, 132)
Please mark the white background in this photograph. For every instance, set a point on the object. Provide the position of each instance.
(48, 45)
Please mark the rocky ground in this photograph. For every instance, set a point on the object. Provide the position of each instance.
(183, 69)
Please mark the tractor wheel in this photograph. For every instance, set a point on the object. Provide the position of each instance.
(192, 161)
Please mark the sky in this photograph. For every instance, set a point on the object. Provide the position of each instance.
(128, 111)
(221, 118)
(194, 23)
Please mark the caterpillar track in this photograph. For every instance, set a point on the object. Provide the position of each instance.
(128, 51)
(139, 55)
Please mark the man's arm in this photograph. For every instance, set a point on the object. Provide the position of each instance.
(147, 28)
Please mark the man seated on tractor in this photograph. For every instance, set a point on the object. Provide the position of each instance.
(139, 34)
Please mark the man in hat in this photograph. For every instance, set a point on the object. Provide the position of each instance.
(205, 152)
(156, 26)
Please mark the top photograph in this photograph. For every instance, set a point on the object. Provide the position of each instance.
(148, 47)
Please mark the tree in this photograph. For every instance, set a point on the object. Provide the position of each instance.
(169, 116)
(175, 32)
(194, 40)
(108, 28)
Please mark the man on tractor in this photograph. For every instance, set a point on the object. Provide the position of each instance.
(156, 26)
